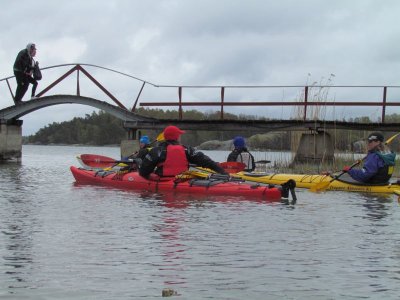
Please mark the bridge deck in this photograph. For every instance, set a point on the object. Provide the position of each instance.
(135, 121)
(261, 126)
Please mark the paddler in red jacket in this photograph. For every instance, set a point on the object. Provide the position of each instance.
(170, 158)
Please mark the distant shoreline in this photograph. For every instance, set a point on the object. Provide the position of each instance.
(75, 145)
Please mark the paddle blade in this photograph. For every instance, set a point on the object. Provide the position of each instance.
(194, 174)
(320, 186)
(160, 137)
(233, 166)
(97, 161)
(389, 140)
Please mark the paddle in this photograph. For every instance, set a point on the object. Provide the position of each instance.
(263, 162)
(96, 161)
(101, 161)
(207, 175)
(322, 186)
(389, 140)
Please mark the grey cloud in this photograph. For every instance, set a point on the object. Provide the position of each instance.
(212, 42)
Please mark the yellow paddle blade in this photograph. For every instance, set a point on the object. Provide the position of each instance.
(389, 140)
(320, 186)
(119, 165)
(201, 169)
(160, 137)
(197, 174)
(192, 174)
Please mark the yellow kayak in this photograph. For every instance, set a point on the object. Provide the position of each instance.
(309, 181)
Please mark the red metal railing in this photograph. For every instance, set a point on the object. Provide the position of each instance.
(305, 102)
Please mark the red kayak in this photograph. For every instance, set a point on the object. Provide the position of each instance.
(214, 184)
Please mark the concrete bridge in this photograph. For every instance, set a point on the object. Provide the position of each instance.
(11, 139)
(11, 113)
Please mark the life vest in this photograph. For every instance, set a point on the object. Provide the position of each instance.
(175, 162)
(385, 173)
(245, 158)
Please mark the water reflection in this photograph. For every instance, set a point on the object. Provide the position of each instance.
(105, 243)
(377, 206)
(19, 224)
(18, 242)
(181, 201)
(168, 227)
(173, 248)
(171, 226)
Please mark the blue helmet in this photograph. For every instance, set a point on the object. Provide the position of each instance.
(145, 140)
(239, 142)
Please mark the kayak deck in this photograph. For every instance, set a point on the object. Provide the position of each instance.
(308, 181)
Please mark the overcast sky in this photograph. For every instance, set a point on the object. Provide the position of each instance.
(208, 42)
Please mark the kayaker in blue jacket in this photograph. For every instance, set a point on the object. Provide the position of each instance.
(145, 147)
(170, 158)
(378, 165)
(134, 160)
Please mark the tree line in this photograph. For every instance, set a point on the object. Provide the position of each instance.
(101, 128)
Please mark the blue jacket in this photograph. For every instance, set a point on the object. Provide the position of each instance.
(376, 168)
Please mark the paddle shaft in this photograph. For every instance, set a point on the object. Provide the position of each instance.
(106, 161)
(351, 167)
(263, 162)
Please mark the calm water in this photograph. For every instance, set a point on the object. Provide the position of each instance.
(62, 241)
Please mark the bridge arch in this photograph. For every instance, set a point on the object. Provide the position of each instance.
(17, 111)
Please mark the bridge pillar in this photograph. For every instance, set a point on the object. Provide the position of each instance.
(128, 147)
(11, 140)
(316, 147)
(131, 144)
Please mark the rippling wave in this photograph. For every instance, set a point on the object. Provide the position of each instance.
(59, 240)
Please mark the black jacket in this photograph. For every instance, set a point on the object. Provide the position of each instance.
(142, 153)
(158, 155)
(23, 62)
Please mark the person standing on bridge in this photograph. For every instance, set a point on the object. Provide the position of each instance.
(170, 158)
(377, 166)
(241, 154)
(23, 70)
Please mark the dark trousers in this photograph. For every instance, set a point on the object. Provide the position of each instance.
(23, 82)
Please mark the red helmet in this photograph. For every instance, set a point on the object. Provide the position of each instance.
(172, 133)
